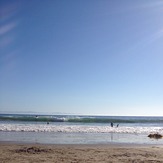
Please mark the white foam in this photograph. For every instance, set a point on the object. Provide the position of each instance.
(78, 128)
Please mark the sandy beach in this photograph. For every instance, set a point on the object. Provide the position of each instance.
(31, 153)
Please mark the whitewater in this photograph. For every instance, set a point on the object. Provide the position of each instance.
(79, 128)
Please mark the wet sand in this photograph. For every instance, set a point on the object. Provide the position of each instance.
(36, 153)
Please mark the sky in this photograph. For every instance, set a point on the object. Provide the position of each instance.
(88, 57)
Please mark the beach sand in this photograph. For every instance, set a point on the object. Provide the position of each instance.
(36, 153)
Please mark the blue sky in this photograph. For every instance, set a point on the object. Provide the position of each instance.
(93, 57)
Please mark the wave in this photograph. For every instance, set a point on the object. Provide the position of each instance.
(78, 129)
(31, 118)
(81, 119)
(114, 120)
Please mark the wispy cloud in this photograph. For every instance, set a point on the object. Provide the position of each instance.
(9, 13)
(145, 42)
(157, 35)
(7, 27)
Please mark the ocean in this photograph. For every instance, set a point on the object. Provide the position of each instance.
(76, 129)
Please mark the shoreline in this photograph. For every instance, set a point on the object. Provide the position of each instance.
(31, 152)
(77, 138)
(117, 144)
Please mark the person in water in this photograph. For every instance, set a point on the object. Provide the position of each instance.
(111, 124)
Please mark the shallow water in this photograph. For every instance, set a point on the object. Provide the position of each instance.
(77, 138)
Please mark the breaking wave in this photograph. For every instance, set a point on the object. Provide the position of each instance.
(78, 128)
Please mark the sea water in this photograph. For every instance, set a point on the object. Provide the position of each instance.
(73, 129)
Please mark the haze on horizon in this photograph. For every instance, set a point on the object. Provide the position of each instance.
(94, 57)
